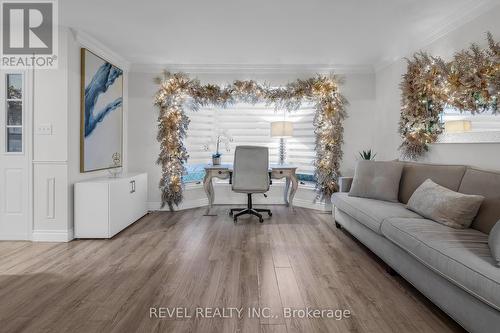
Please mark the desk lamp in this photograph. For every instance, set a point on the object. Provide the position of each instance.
(282, 130)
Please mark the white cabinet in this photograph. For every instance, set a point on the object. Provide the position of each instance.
(106, 206)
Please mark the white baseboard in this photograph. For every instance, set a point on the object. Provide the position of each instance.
(195, 197)
(188, 204)
(52, 235)
(322, 206)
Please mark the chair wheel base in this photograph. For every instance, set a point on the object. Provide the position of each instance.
(237, 212)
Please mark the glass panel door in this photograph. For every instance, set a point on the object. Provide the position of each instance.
(14, 113)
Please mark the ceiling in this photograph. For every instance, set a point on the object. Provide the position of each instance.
(335, 32)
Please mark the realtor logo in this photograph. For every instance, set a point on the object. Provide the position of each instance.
(29, 34)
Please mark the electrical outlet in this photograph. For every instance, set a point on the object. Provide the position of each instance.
(44, 129)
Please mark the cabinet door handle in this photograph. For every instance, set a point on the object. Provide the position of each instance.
(132, 183)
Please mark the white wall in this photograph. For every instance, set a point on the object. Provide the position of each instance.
(50, 152)
(56, 164)
(388, 97)
(359, 88)
(78, 41)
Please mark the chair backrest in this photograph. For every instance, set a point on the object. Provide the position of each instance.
(251, 169)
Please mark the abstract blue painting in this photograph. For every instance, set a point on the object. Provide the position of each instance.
(102, 112)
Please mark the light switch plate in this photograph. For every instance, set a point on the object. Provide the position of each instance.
(44, 129)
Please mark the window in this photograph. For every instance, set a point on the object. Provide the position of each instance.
(14, 116)
(465, 127)
(249, 124)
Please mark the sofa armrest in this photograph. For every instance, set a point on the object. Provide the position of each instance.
(345, 184)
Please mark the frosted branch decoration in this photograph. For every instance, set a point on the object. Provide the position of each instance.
(177, 92)
(469, 82)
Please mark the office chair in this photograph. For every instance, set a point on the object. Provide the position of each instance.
(250, 175)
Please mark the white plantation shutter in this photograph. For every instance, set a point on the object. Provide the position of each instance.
(200, 130)
(300, 148)
(250, 125)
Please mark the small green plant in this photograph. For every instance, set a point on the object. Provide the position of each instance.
(367, 155)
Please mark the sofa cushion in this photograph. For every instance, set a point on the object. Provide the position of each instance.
(487, 184)
(377, 180)
(460, 255)
(453, 209)
(414, 174)
(370, 212)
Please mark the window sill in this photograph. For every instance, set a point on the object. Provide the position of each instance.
(469, 137)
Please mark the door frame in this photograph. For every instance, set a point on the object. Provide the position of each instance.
(28, 116)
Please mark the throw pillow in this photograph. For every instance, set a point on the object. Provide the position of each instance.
(453, 209)
(494, 242)
(377, 180)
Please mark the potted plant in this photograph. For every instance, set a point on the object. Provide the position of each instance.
(220, 138)
(367, 155)
(216, 158)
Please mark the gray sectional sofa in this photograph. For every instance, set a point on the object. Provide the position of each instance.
(452, 267)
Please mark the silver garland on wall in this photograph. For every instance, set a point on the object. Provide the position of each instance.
(469, 82)
(177, 92)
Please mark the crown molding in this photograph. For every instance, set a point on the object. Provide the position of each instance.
(457, 19)
(253, 68)
(99, 48)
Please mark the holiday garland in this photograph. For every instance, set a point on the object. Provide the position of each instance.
(469, 82)
(177, 92)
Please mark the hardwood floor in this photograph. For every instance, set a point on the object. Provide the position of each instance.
(187, 260)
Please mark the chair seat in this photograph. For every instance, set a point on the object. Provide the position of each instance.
(370, 212)
(460, 255)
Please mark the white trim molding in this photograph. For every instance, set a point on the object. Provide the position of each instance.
(186, 204)
(50, 162)
(253, 68)
(224, 196)
(470, 11)
(316, 205)
(99, 48)
(458, 18)
(52, 235)
(189, 204)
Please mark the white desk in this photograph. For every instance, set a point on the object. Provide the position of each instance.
(277, 171)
